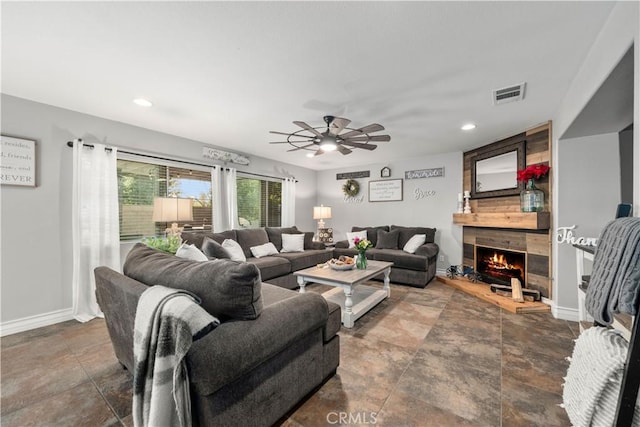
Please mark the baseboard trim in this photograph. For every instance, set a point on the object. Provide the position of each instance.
(32, 322)
(564, 313)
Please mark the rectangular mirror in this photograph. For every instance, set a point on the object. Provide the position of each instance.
(494, 173)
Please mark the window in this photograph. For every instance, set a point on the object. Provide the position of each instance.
(139, 183)
(259, 202)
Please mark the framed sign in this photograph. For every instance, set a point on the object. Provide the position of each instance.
(18, 162)
(388, 190)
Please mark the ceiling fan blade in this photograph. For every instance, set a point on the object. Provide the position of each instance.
(374, 138)
(374, 127)
(338, 124)
(280, 142)
(300, 148)
(369, 147)
(343, 150)
(303, 125)
(319, 152)
(292, 134)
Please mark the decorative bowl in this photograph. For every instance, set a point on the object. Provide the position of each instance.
(342, 267)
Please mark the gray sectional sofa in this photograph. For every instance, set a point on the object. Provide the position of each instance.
(416, 269)
(276, 269)
(273, 347)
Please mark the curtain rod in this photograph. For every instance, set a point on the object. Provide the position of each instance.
(70, 144)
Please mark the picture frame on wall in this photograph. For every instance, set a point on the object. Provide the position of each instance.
(387, 190)
(17, 161)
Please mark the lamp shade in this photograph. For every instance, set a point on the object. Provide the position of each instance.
(172, 209)
(321, 212)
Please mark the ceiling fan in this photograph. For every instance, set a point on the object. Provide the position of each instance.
(331, 139)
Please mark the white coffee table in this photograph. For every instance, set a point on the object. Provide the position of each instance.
(355, 302)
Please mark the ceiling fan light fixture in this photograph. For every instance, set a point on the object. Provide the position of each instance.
(328, 146)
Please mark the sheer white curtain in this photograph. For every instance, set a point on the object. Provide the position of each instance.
(288, 202)
(225, 199)
(96, 236)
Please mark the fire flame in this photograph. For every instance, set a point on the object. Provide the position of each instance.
(499, 262)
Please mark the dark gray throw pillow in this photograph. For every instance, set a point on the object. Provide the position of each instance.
(228, 289)
(387, 239)
(213, 249)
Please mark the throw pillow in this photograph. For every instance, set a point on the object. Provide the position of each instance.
(213, 249)
(292, 243)
(235, 251)
(414, 243)
(263, 250)
(275, 234)
(228, 290)
(351, 236)
(387, 239)
(187, 251)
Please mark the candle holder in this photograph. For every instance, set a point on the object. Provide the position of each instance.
(467, 206)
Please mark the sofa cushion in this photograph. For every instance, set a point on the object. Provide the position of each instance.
(401, 259)
(235, 251)
(213, 249)
(361, 235)
(387, 239)
(275, 234)
(197, 238)
(187, 251)
(407, 232)
(263, 250)
(250, 237)
(271, 266)
(228, 290)
(292, 243)
(372, 232)
(306, 259)
(414, 243)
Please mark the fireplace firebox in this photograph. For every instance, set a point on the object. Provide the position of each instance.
(500, 265)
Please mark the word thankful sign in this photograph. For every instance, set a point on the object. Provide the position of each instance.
(424, 173)
(18, 162)
(565, 235)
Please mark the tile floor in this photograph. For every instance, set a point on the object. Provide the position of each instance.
(424, 357)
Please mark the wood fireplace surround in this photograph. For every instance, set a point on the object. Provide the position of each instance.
(496, 222)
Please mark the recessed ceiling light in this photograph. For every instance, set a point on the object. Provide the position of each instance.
(468, 126)
(310, 154)
(142, 102)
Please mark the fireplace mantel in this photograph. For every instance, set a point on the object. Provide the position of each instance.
(516, 220)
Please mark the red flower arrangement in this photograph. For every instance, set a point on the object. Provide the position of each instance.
(533, 172)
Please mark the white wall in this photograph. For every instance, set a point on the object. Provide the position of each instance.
(36, 222)
(432, 211)
(590, 194)
(619, 33)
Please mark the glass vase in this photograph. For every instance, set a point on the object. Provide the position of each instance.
(531, 198)
(361, 261)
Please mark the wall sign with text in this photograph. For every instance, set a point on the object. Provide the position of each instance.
(353, 175)
(424, 173)
(18, 162)
(388, 190)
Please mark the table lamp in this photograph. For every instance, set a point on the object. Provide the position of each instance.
(172, 209)
(321, 212)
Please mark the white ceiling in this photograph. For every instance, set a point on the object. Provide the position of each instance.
(226, 73)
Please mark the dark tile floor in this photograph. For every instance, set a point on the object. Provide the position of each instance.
(424, 357)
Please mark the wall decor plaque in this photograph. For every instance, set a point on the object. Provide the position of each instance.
(424, 173)
(353, 175)
(388, 190)
(18, 162)
(225, 156)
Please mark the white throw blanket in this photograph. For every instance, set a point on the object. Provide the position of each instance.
(167, 322)
(593, 380)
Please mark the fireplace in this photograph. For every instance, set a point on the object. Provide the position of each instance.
(500, 265)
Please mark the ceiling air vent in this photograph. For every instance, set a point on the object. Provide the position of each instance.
(508, 94)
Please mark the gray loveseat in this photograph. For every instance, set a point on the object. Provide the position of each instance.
(416, 269)
(273, 347)
(275, 269)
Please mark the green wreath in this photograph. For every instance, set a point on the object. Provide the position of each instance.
(351, 188)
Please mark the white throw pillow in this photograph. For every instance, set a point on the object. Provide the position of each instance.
(414, 243)
(191, 252)
(234, 249)
(292, 243)
(351, 236)
(263, 250)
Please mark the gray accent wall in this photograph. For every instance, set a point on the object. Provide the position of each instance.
(589, 182)
(36, 222)
(427, 202)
